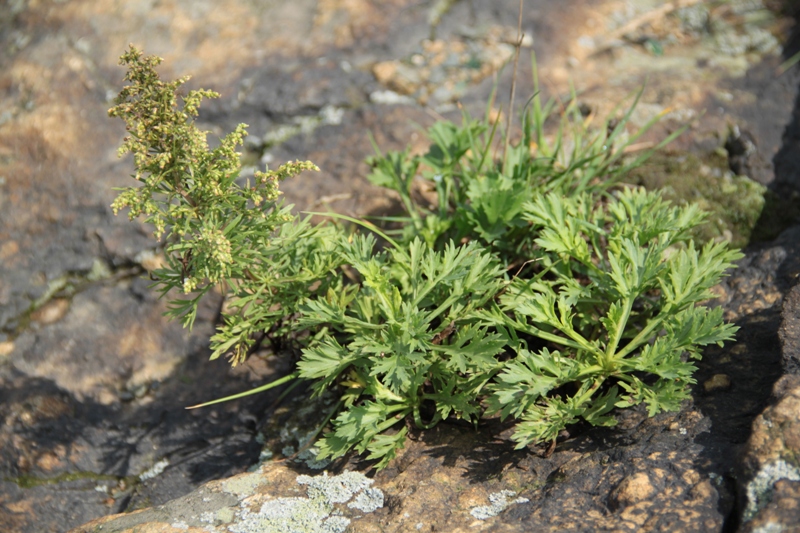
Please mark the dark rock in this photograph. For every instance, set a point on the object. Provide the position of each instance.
(89, 459)
(741, 147)
(790, 331)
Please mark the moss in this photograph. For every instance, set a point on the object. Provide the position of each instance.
(734, 203)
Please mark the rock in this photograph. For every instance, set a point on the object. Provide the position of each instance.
(717, 382)
(111, 327)
(75, 339)
(790, 331)
(65, 462)
(51, 312)
(770, 480)
(6, 347)
(473, 482)
(633, 489)
(781, 513)
(267, 500)
(740, 146)
(752, 297)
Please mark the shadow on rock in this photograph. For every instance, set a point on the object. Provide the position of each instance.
(66, 461)
(782, 205)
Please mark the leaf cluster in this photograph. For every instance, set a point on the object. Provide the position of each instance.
(529, 287)
(479, 196)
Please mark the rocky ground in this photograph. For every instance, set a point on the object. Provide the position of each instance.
(93, 380)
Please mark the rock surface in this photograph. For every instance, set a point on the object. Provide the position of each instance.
(770, 468)
(93, 379)
(673, 472)
(790, 331)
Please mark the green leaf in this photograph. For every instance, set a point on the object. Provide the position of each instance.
(385, 446)
(528, 378)
(474, 349)
(601, 406)
(325, 361)
(543, 422)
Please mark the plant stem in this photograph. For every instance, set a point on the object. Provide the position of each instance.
(273, 384)
(517, 46)
(620, 329)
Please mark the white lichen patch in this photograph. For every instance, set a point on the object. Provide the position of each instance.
(336, 489)
(287, 515)
(770, 527)
(499, 502)
(759, 490)
(368, 500)
(317, 513)
(154, 470)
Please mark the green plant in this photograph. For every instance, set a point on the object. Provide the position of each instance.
(215, 230)
(530, 288)
(481, 197)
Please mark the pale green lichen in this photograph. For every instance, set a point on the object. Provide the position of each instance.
(771, 527)
(244, 485)
(760, 489)
(368, 500)
(499, 502)
(317, 513)
(225, 515)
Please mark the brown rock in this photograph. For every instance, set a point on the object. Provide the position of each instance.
(782, 513)
(632, 490)
(51, 312)
(790, 331)
(384, 71)
(717, 382)
(771, 474)
(6, 347)
(8, 249)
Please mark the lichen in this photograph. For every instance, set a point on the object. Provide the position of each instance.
(242, 486)
(499, 502)
(770, 527)
(154, 470)
(225, 515)
(318, 512)
(760, 489)
(368, 500)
